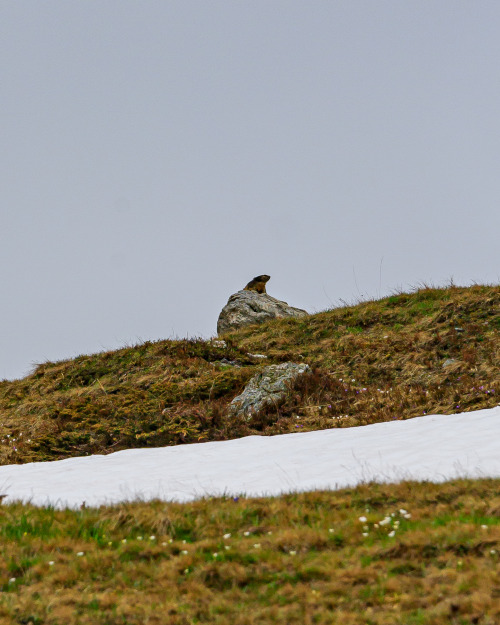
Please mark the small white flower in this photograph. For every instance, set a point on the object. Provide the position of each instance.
(269, 533)
(164, 544)
(226, 547)
(170, 540)
(407, 516)
(80, 554)
(292, 553)
(385, 521)
(484, 527)
(183, 542)
(365, 534)
(403, 512)
(124, 540)
(152, 538)
(362, 519)
(186, 571)
(391, 534)
(246, 533)
(51, 563)
(226, 536)
(493, 551)
(256, 546)
(12, 580)
(215, 554)
(184, 553)
(375, 525)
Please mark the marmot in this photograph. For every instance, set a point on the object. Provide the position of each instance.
(257, 284)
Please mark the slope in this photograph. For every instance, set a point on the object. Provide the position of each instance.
(431, 351)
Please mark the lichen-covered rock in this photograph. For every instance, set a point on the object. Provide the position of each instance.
(245, 308)
(269, 386)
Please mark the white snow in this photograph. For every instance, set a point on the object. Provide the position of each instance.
(434, 448)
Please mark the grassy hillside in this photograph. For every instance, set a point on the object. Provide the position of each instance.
(412, 553)
(435, 350)
(316, 558)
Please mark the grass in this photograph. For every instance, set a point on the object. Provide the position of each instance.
(431, 351)
(410, 553)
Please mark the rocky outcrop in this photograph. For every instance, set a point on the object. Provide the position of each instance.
(246, 308)
(269, 386)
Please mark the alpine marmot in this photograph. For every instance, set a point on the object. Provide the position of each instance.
(258, 284)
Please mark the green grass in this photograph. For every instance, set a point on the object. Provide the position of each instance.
(300, 558)
(431, 351)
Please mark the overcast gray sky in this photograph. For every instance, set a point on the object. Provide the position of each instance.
(157, 155)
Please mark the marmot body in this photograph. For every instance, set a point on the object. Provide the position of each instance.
(258, 284)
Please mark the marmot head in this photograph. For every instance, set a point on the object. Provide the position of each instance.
(262, 278)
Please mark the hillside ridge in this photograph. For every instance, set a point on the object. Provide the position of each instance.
(429, 351)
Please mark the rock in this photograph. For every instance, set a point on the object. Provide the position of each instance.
(219, 344)
(268, 386)
(225, 361)
(246, 308)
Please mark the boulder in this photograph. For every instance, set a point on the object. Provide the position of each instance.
(268, 386)
(246, 308)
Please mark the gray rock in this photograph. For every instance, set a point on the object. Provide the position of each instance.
(246, 308)
(219, 344)
(268, 386)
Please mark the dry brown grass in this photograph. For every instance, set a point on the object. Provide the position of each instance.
(292, 560)
(296, 560)
(432, 351)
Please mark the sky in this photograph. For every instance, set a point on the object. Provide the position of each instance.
(155, 156)
(433, 448)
